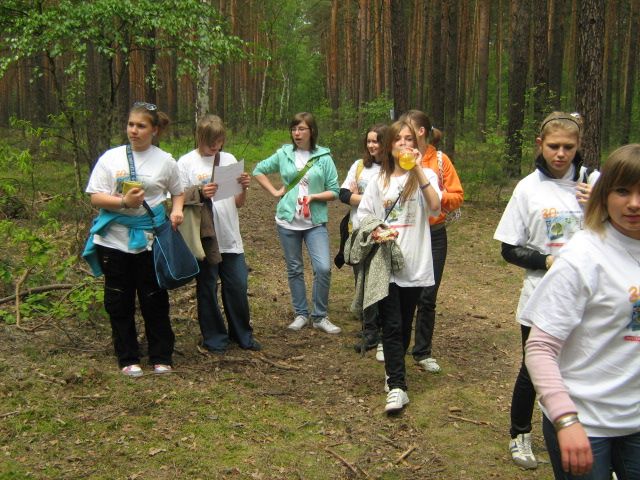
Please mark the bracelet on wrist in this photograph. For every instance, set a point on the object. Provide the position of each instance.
(565, 420)
(422, 187)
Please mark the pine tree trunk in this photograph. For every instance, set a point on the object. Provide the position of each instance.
(519, 54)
(399, 58)
(540, 60)
(451, 79)
(557, 14)
(589, 77)
(483, 67)
(631, 60)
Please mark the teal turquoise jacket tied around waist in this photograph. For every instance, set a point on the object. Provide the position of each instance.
(137, 226)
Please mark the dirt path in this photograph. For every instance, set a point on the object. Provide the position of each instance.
(455, 427)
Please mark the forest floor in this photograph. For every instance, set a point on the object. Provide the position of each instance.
(305, 407)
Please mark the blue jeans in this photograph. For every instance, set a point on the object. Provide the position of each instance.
(618, 454)
(426, 316)
(317, 241)
(233, 275)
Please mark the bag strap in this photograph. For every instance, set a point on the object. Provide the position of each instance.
(301, 173)
(132, 165)
(359, 169)
(440, 168)
(132, 176)
(392, 206)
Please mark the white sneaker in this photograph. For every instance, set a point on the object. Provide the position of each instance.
(326, 326)
(430, 365)
(521, 451)
(380, 353)
(396, 400)
(298, 322)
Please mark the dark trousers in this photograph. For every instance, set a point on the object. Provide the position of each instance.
(233, 275)
(426, 317)
(524, 395)
(396, 315)
(618, 454)
(125, 275)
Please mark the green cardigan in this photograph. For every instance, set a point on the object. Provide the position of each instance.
(322, 177)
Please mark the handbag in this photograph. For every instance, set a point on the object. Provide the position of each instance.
(453, 215)
(174, 263)
(190, 230)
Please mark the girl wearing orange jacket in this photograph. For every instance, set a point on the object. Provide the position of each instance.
(452, 197)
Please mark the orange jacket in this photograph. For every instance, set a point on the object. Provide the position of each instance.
(448, 180)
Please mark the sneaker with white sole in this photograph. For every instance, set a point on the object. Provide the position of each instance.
(430, 365)
(386, 383)
(132, 370)
(380, 353)
(396, 400)
(298, 322)
(161, 369)
(521, 453)
(326, 326)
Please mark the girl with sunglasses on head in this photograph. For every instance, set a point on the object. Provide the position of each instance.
(583, 352)
(544, 212)
(309, 180)
(121, 237)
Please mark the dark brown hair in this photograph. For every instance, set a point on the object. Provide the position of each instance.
(156, 117)
(379, 129)
(309, 119)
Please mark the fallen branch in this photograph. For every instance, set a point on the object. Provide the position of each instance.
(283, 366)
(41, 289)
(469, 420)
(405, 454)
(353, 469)
(9, 414)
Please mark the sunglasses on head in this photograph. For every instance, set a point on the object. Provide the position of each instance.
(148, 106)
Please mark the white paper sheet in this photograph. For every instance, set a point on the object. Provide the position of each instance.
(227, 179)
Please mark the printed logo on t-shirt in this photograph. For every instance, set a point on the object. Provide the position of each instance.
(634, 324)
(560, 227)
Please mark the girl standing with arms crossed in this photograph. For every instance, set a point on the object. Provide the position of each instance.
(405, 196)
(310, 180)
(121, 237)
(360, 174)
(452, 197)
(584, 349)
(544, 212)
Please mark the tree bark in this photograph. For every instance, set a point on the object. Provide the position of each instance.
(399, 58)
(519, 49)
(632, 55)
(557, 14)
(451, 79)
(484, 13)
(540, 60)
(589, 77)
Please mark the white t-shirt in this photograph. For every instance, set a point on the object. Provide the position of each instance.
(411, 219)
(590, 299)
(366, 174)
(196, 170)
(299, 221)
(542, 214)
(155, 168)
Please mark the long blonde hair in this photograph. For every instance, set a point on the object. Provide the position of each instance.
(388, 162)
(622, 169)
